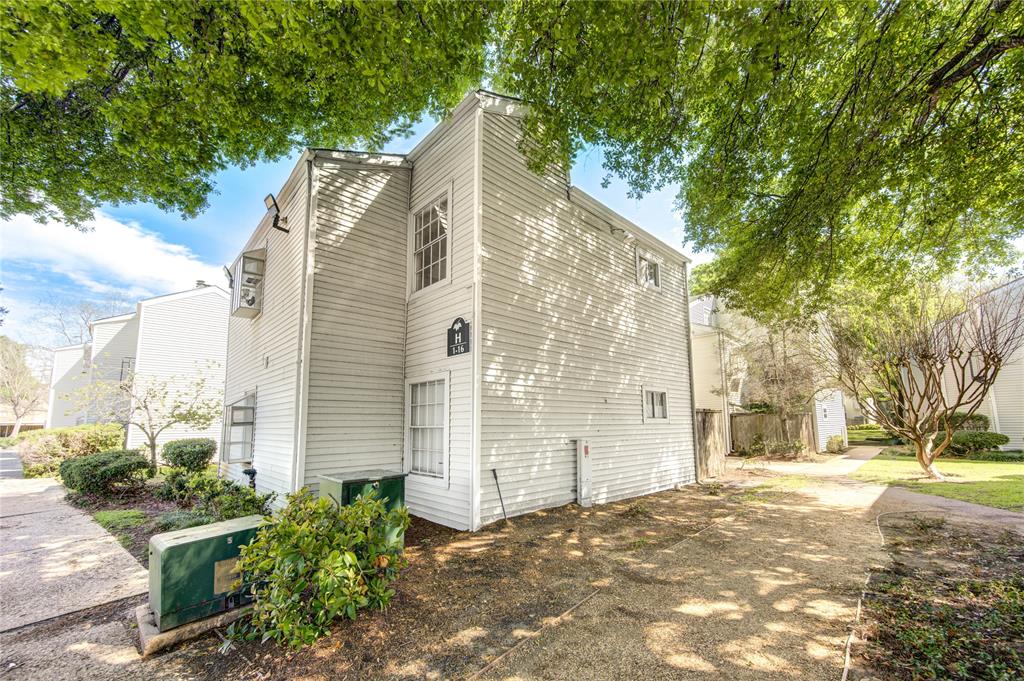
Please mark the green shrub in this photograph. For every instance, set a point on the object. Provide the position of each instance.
(226, 499)
(835, 444)
(42, 451)
(104, 473)
(865, 426)
(966, 442)
(975, 422)
(180, 520)
(761, 447)
(759, 408)
(192, 454)
(314, 562)
(176, 487)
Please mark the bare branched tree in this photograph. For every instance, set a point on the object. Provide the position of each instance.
(930, 355)
(69, 321)
(21, 389)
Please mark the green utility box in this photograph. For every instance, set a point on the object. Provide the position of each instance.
(191, 571)
(345, 488)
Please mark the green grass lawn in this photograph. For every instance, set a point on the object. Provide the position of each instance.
(992, 483)
(868, 435)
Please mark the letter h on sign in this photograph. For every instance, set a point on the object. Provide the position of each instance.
(458, 337)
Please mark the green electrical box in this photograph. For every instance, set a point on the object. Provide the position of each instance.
(344, 488)
(191, 571)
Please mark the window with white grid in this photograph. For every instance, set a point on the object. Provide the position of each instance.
(430, 243)
(427, 442)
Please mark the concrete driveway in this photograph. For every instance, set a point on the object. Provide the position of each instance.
(54, 559)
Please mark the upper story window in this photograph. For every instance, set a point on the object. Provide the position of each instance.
(247, 283)
(430, 243)
(127, 368)
(655, 404)
(648, 270)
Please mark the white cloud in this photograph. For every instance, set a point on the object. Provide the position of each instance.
(113, 258)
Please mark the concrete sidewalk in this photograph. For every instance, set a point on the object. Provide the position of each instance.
(54, 559)
(10, 464)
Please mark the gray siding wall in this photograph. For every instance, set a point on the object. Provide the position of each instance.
(707, 371)
(264, 354)
(568, 340)
(183, 338)
(357, 338)
(112, 343)
(447, 159)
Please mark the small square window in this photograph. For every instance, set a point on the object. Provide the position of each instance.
(655, 404)
(648, 270)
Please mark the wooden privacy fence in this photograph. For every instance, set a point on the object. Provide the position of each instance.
(745, 427)
(711, 449)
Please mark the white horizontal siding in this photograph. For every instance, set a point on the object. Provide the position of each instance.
(1007, 398)
(447, 159)
(183, 339)
(264, 354)
(707, 372)
(354, 417)
(69, 375)
(830, 417)
(568, 341)
(113, 343)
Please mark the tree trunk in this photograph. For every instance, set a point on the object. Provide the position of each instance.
(17, 427)
(152, 455)
(927, 460)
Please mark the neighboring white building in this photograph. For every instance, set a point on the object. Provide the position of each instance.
(451, 314)
(176, 338)
(1004, 402)
(719, 376)
(70, 374)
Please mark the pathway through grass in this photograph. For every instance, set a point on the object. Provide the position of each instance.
(990, 483)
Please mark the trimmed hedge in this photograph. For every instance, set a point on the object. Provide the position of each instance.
(42, 451)
(103, 473)
(966, 442)
(974, 422)
(191, 454)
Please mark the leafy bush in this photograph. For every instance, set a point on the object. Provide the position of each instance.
(864, 426)
(226, 499)
(104, 473)
(966, 442)
(759, 408)
(180, 520)
(835, 444)
(42, 451)
(191, 454)
(175, 487)
(975, 422)
(314, 562)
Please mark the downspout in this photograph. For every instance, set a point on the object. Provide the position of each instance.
(305, 313)
(689, 355)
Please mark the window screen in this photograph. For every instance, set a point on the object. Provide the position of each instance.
(430, 244)
(655, 404)
(426, 427)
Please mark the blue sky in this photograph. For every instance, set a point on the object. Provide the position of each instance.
(137, 251)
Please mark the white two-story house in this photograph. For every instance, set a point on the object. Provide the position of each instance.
(501, 336)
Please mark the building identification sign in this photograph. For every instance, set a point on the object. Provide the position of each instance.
(458, 337)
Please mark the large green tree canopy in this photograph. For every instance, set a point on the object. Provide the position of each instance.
(811, 141)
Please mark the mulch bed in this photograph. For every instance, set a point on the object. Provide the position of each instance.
(950, 606)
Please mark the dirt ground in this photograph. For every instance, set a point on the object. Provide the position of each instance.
(758, 578)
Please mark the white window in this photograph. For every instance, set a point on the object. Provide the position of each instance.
(427, 436)
(127, 368)
(247, 283)
(655, 404)
(239, 422)
(430, 243)
(648, 270)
